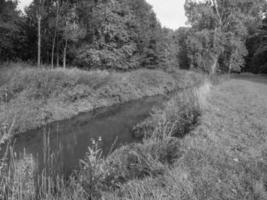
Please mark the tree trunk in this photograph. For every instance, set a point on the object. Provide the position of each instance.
(65, 54)
(216, 57)
(214, 65)
(57, 59)
(57, 53)
(52, 54)
(230, 69)
(39, 18)
(54, 39)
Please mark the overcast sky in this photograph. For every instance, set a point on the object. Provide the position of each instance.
(23, 3)
(169, 12)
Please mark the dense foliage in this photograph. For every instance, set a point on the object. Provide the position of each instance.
(220, 28)
(224, 36)
(92, 34)
(10, 30)
(257, 45)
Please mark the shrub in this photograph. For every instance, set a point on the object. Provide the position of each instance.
(183, 112)
(166, 151)
(177, 118)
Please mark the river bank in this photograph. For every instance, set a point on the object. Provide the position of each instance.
(224, 157)
(151, 156)
(33, 97)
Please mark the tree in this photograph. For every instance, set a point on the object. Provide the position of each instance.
(220, 29)
(39, 15)
(257, 45)
(72, 31)
(117, 34)
(169, 49)
(182, 34)
(148, 32)
(9, 30)
(54, 25)
(121, 34)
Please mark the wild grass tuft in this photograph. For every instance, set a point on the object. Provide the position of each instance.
(177, 117)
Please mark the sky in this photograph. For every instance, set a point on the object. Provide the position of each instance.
(169, 12)
(23, 3)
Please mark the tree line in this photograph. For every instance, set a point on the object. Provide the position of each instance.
(223, 36)
(221, 30)
(117, 34)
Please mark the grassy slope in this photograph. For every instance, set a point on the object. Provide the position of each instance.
(33, 97)
(225, 157)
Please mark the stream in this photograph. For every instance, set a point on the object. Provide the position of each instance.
(65, 142)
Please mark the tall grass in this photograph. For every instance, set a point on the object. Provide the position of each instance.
(21, 178)
(177, 117)
(97, 175)
(169, 164)
(39, 96)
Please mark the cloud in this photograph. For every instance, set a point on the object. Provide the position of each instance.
(169, 12)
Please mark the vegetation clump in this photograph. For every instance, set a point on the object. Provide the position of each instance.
(177, 118)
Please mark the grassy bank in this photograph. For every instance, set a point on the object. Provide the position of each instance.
(223, 157)
(99, 176)
(34, 97)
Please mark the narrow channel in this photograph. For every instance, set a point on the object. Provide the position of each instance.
(68, 140)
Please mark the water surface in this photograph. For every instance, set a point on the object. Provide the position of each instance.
(69, 139)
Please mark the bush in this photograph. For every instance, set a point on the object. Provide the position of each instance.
(166, 151)
(131, 162)
(183, 112)
(178, 117)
